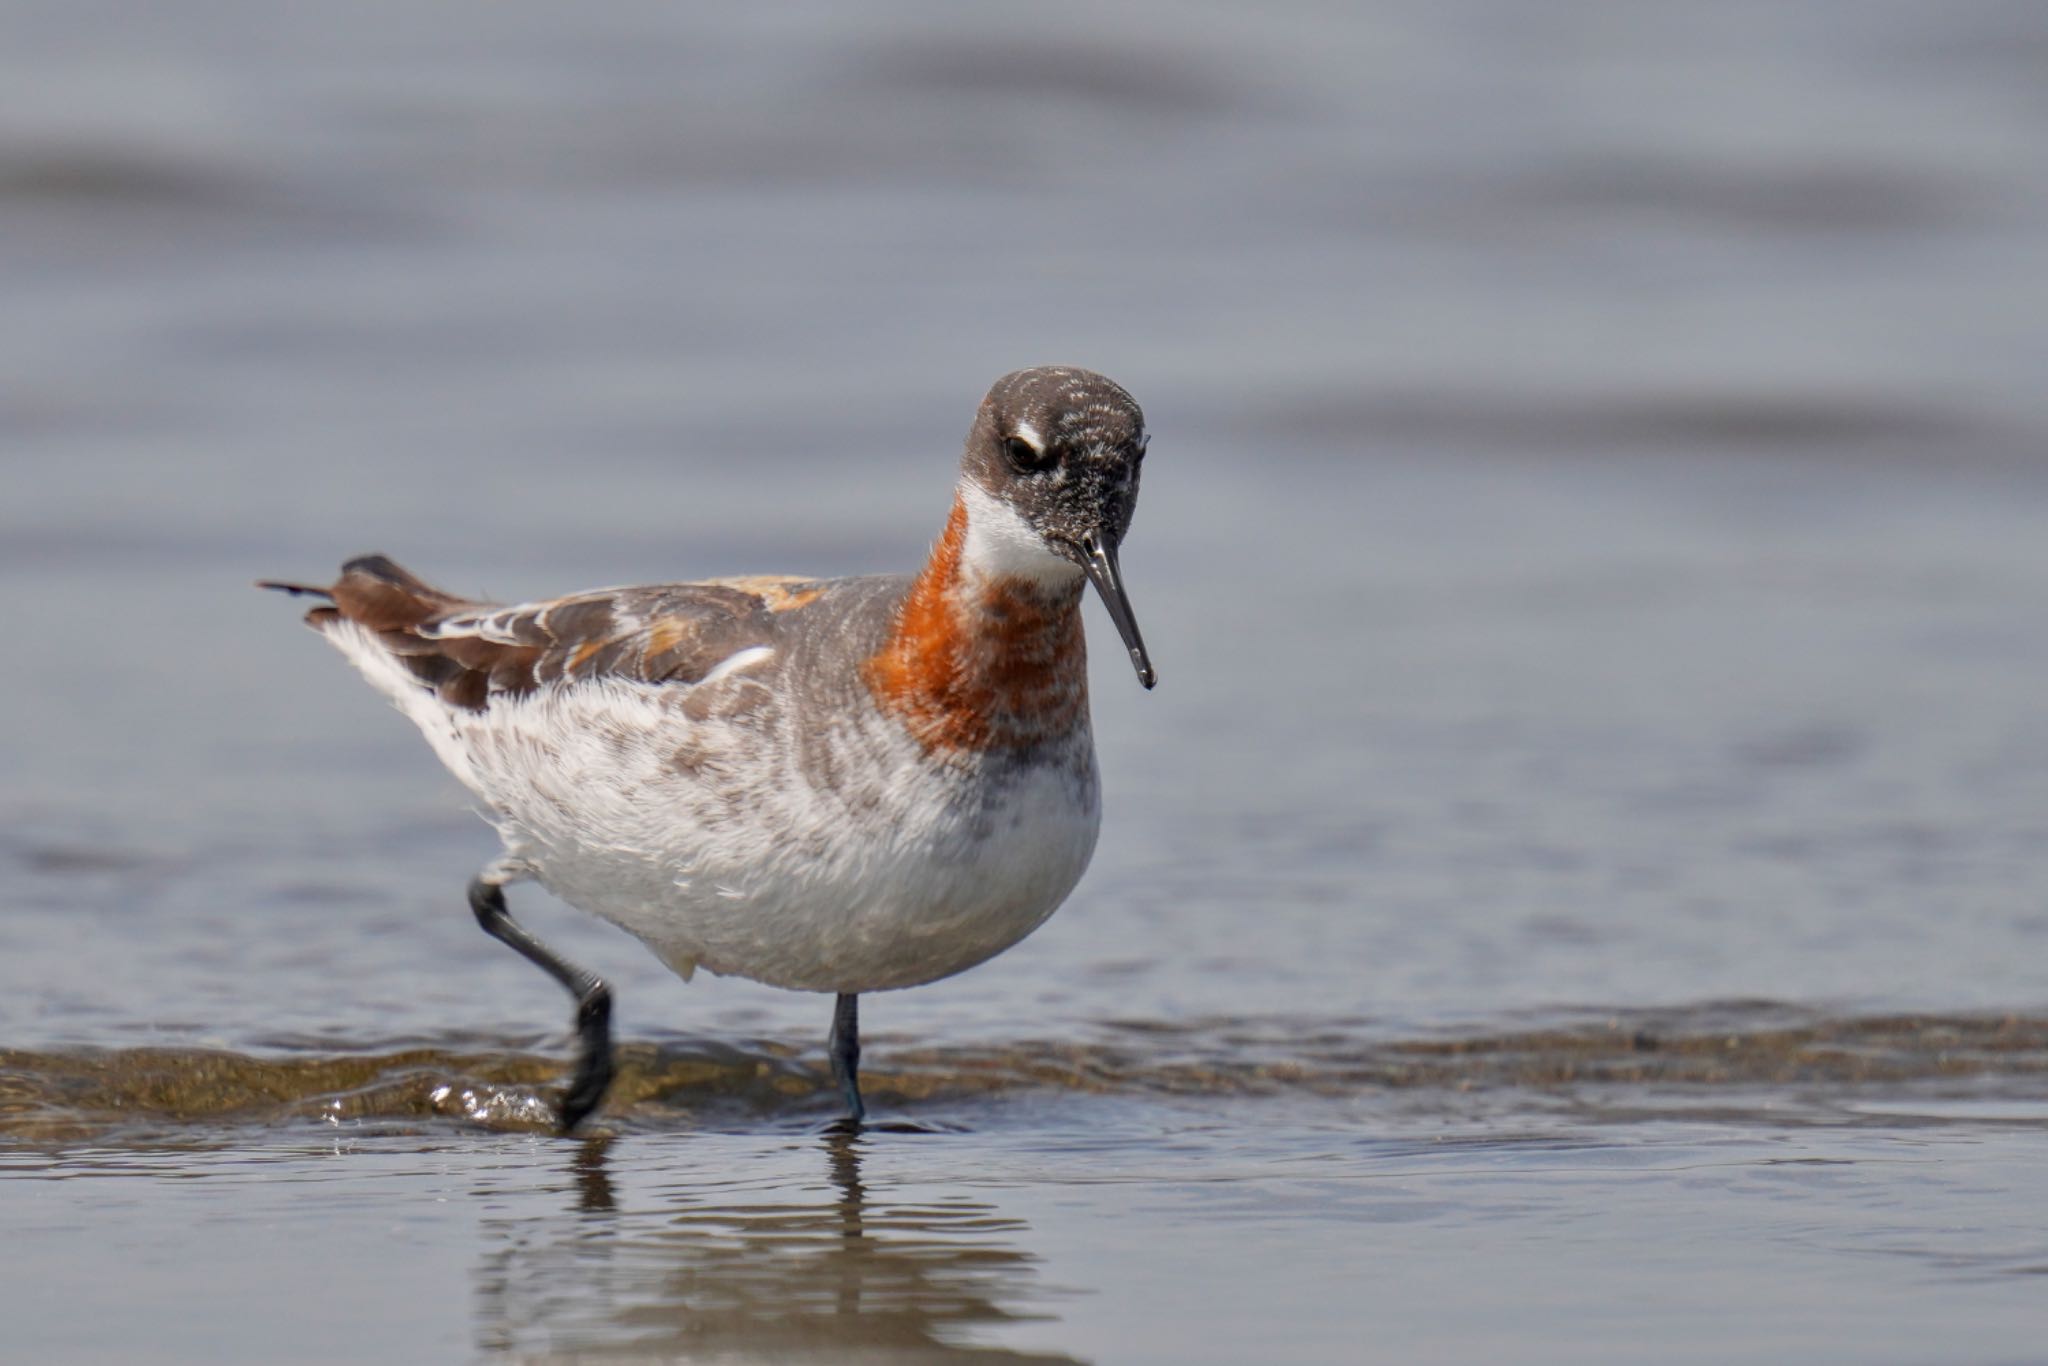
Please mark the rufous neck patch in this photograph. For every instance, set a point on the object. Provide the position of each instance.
(978, 663)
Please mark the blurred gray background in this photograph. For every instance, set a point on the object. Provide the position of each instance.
(1592, 546)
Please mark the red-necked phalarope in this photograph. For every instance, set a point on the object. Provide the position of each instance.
(837, 785)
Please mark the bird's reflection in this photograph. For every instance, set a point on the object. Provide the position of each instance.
(593, 1183)
(756, 1271)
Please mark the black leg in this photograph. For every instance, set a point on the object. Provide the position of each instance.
(593, 1075)
(844, 1046)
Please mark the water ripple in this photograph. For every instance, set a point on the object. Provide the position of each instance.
(1711, 1055)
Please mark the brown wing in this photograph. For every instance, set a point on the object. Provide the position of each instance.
(469, 652)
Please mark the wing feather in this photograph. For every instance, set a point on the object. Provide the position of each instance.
(470, 652)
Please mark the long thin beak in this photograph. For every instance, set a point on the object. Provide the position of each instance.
(1100, 562)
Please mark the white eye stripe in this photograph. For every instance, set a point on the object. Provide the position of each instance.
(1028, 434)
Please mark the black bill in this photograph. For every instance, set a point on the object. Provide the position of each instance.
(1098, 557)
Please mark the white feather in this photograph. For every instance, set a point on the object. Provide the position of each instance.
(1001, 544)
(733, 663)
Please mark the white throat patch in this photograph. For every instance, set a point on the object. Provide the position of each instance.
(1001, 544)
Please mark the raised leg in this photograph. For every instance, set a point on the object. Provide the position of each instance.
(593, 1075)
(844, 1046)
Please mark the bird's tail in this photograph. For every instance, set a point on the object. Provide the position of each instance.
(297, 590)
(374, 593)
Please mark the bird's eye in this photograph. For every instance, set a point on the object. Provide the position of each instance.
(1024, 457)
(1138, 446)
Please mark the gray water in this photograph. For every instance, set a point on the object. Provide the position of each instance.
(1579, 892)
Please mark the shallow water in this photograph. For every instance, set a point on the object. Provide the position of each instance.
(1578, 883)
(1753, 1185)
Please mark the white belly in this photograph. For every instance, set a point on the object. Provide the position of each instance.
(866, 907)
(857, 865)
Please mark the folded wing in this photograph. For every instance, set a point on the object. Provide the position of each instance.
(470, 652)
